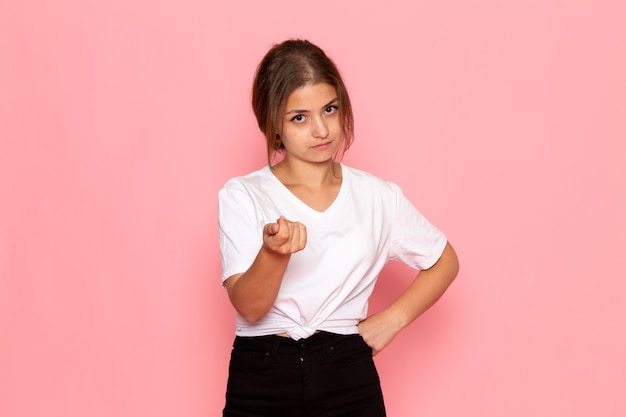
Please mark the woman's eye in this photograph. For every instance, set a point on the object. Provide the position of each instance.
(298, 118)
(331, 109)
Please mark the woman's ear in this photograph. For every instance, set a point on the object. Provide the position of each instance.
(278, 143)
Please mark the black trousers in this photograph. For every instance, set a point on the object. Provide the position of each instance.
(325, 375)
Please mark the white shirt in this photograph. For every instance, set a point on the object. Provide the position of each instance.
(326, 286)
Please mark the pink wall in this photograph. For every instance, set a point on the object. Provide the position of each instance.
(504, 121)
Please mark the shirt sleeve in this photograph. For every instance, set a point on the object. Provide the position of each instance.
(414, 241)
(240, 230)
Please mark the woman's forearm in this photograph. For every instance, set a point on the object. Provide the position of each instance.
(426, 289)
(253, 293)
(379, 329)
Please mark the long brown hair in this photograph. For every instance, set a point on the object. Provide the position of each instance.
(286, 67)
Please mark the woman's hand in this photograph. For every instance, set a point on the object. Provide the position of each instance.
(378, 330)
(284, 237)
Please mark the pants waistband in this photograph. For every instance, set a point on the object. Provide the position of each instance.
(273, 344)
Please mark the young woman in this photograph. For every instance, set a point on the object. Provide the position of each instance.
(302, 242)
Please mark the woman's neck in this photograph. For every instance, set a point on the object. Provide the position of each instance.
(310, 175)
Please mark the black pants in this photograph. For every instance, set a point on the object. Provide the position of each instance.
(325, 375)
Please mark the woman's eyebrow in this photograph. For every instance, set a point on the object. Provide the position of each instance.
(297, 111)
(333, 101)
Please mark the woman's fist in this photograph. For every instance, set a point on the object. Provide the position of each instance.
(284, 237)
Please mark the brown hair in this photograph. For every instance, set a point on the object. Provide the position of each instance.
(286, 67)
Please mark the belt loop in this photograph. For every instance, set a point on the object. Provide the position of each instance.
(326, 345)
(276, 345)
(274, 355)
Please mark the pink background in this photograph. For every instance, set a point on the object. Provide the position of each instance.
(504, 122)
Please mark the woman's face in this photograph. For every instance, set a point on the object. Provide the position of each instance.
(312, 123)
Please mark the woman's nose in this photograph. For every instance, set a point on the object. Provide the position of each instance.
(320, 130)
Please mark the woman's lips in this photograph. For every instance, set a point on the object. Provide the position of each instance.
(322, 146)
